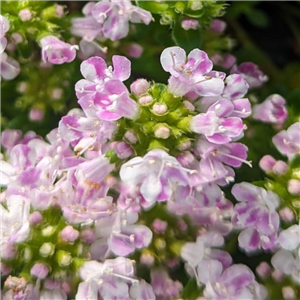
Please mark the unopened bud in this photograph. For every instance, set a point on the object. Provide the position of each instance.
(294, 187)
(25, 15)
(266, 163)
(162, 131)
(263, 269)
(159, 108)
(47, 249)
(139, 87)
(135, 50)
(145, 100)
(187, 24)
(63, 258)
(218, 26)
(131, 137)
(36, 114)
(88, 235)
(280, 167)
(69, 234)
(288, 293)
(287, 214)
(147, 259)
(159, 226)
(39, 270)
(35, 218)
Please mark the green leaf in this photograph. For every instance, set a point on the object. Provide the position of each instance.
(186, 39)
(295, 163)
(258, 18)
(152, 6)
(191, 290)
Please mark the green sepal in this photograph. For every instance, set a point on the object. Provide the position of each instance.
(184, 124)
(152, 6)
(155, 144)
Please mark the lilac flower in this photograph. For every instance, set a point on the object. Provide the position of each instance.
(191, 73)
(142, 291)
(114, 17)
(9, 67)
(4, 27)
(257, 215)
(272, 110)
(216, 124)
(200, 256)
(287, 141)
(110, 280)
(287, 259)
(164, 287)
(14, 224)
(155, 173)
(236, 87)
(56, 51)
(236, 282)
(250, 71)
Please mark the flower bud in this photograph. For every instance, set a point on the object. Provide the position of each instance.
(277, 275)
(159, 226)
(47, 249)
(69, 234)
(134, 50)
(187, 24)
(131, 137)
(147, 259)
(161, 131)
(266, 163)
(39, 270)
(280, 167)
(139, 87)
(287, 214)
(288, 293)
(123, 150)
(218, 26)
(263, 269)
(25, 15)
(63, 258)
(159, 108)
(294, 187)
(88, 235)
(146, 100)
(36, 114)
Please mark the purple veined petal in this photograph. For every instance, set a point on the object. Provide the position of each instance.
(210, 86)
(218, 138)
(205, 123)
(209, 270)
(87, 290)
(236, 87)
(293, 133)
(127, 107)
(99, 249)
(10, 138)
(232, 126)
(222, 256)
(116, 26)
(209, 195)
(115, 87)
(212, 169)
(139, 15)
(3, 43)
(142, 235)
(122, 67)
(245, 192)
(87, 28)
(237, 276)
(267, 222)
(121, 244)
(199, 62)
(268, 242)
(133, 171)
(211, 239)
(94, 69)
(108, 115)
(222, 108)
(142, 291)
(9, 67)
(120, 265)
(289, 239)
(84, 87)
(57, 294)
(114, 288)
(242, 108)
(151, 188)
(101, 10)
(179, 86)
(171, 58)
(233, 154)
(249, 239)
(91, 270)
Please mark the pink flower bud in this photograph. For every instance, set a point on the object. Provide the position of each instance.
(131, 137)
(145, 100)
(59, 9)
(36, 114)
(17, 38)
(35, 218)
(69, 234)
(162, 132)
(5, 270)
(88, 235)
(182, 225)
(122, 149)
(25, 15)
(159, 225)
(294, 187)
(39, 270)
(288, 293)
(135, 50)
(187, 24)
(139, 87)
(218, 26)
(287, 214)
(277, 275)
(159, 108)
(267, 163)
(263, 269)
(280, 167)
(147, 259)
